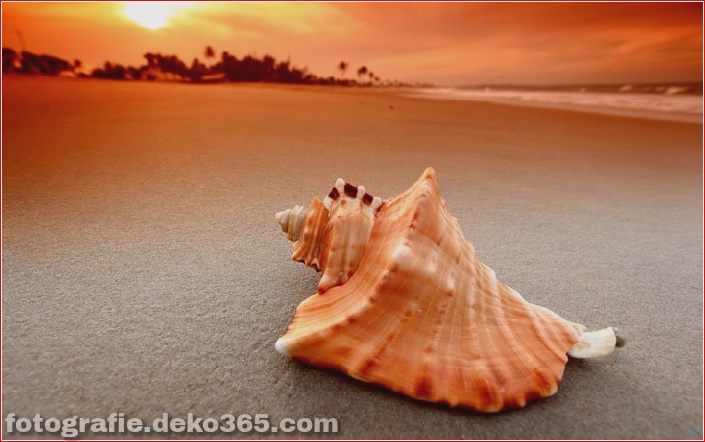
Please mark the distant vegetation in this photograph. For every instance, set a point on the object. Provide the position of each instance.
(164, 67)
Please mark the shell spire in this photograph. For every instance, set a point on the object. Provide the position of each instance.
(421, 315)
(331, 235)
(290, 221)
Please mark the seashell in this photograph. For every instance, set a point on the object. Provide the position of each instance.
(405, 303)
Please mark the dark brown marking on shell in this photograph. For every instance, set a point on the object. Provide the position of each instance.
(367, 198)
(334, 194)
(350, 190)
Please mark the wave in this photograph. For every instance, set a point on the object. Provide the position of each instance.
(669, 104)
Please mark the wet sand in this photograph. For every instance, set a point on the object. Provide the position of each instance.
(143, 271)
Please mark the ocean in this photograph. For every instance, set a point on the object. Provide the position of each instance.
(674, 102)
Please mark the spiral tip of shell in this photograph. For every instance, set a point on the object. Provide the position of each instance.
(283, 219)
(290, 221)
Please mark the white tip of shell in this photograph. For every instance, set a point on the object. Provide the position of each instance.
(376, 202)
(361, 191)
(279, 345)
(327, 203)
(340, 185)
(594, 344)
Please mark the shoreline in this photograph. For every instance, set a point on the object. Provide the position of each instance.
(679, 117)
(400, 91)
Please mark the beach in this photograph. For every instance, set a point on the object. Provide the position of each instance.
(143, 271)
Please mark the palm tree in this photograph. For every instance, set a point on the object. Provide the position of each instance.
(372, 76)
(268, 63)
(342, 67)
(150, 59)
(209, 52)
(362, 71)
(77, 65)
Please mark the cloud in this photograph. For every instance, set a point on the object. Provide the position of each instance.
(532, 41)
(274, 19)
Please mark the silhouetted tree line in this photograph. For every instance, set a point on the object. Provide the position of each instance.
(26, 62)
(229, 68)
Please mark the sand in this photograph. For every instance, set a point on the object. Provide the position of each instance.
(143, 271)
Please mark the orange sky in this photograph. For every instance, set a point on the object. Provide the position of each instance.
(451, 43)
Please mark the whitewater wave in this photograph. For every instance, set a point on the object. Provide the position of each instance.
(666, 105)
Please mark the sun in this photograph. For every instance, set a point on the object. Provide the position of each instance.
(152, 15)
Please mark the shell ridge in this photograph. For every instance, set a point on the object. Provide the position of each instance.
(346, 235)
(536, 370)
(436, 387)
(311, 226)
(538, 319)
(454, 377)
(490, 379)
(570, 332)
(483, 334)
(424, 191)
(541, 317)
(306, 329)
(539, 328)
(439, 386)
(393, 273)
(391, 332)
(531, 355)
(506, 334)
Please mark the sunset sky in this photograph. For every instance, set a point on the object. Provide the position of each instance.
(448, 44)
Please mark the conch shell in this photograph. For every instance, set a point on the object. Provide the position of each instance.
(405, 303)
